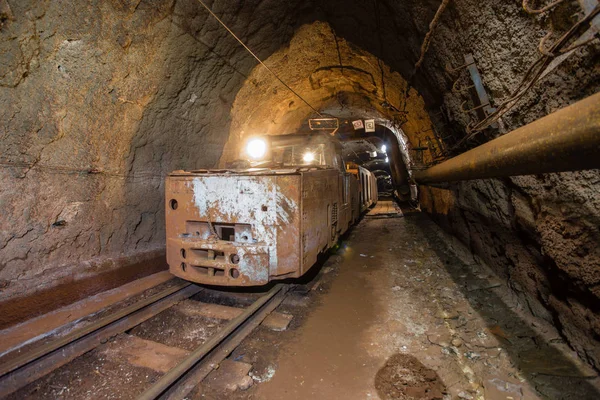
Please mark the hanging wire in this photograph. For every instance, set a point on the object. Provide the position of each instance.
(429, 35)
(337, 47)
(62, 170)
(533, 74)
(378, 19)
(425, 47)
(529, 10)
(258, 59)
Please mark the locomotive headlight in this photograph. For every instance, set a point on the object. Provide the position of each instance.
(308, 157)
(383, 148)
(256, 148)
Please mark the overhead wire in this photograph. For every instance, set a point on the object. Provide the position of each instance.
(208, 47)
(55, 169)
(258, 59)
(529, 10)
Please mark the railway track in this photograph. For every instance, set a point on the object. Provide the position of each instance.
(175, 383)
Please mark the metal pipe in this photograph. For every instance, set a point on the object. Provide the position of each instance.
(566, 140)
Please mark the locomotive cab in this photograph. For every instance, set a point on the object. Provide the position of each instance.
(295, 150)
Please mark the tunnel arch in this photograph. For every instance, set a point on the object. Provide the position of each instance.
(362, 87)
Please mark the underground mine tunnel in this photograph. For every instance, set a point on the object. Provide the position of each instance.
(263, 199)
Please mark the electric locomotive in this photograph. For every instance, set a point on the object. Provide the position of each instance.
(268, 218)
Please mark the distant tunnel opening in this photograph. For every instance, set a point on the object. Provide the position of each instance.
(383, 153)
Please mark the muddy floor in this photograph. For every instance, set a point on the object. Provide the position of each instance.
(404, 315)
(396, 312)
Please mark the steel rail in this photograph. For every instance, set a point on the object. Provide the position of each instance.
(50, 356)
(46, 348)
(566, 140)
(190, 380)
(250, 314)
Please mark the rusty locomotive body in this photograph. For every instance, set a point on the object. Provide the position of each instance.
(245, 227)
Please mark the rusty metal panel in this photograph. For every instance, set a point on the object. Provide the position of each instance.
(288, 232)
(320, 191)
(232, 229)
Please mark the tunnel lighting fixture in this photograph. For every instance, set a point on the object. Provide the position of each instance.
(387, 159)
(256, 148)
(383, 148)
(308, 157)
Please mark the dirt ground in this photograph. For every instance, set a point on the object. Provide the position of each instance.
(402, 317)
(397, 313)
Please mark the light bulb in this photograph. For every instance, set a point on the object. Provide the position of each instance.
(308, 157)
(256, 148)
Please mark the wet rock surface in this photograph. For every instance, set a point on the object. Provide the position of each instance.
(540, 234)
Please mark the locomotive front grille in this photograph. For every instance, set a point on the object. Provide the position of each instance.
(209, 254)
(218, 261)
(233, 229)
(211, 271)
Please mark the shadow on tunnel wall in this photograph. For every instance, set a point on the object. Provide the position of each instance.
(391, 30)
(549, 371)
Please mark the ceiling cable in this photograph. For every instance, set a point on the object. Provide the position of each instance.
(258, 59)
(427, 40)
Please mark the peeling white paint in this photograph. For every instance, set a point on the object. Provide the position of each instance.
(241, 199)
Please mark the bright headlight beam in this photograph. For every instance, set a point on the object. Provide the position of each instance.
(387, 159)
(383, 148)
(308, 157)
(256, 148)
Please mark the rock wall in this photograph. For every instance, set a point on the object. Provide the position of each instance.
(539, 232)
(100, 99)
